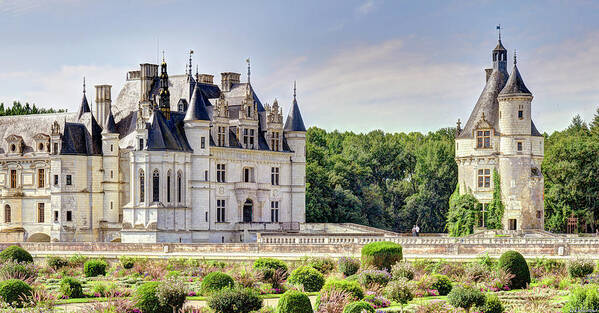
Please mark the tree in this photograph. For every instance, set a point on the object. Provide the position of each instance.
(463, 213)
(495, 212)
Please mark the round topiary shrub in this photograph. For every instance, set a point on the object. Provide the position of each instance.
(15, 253)
(465, 298)
(403, 269)
(351, 287)
(14, 292)
(127, 262)
(382, 254)
(442, 284)
(348, 266)
(93, 268)
(359, 307)
(306, 276)
(56, 262)
(294, 301)
(216, 281)
(238, 300)
(515, 264)
(147, 300)
(492, 305)
(71, 288)
(580, 268)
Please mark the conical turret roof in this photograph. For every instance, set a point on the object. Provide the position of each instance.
(294, 119)
(197, 106)
(515, 84)
(110, 125)
(84, 107)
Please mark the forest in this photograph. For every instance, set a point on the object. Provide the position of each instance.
(18, 109)
(396, 180)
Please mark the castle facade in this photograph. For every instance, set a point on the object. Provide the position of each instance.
(173, 159)
(500, 137)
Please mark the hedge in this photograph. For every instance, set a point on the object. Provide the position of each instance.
(382, 254)
(514, 263)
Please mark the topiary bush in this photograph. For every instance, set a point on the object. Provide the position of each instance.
(580, 268)
(71, 288)
(93, 268)
(147, 300)
(465, 298)
(323, 265)
(238, 300)
(127, 262)
(370, 277)
(294, 301)
(15, 253)
(15, 292)
(216, 281)
(442, 284)
(359, 307)
(515, 264)
(492, 305)
(583, 299)
(382, 254)
(271, 263)
(348, 266)
(306, 276)
(403, 269)
(56, 262)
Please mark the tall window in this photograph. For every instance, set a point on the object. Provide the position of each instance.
(155, 186)
(179, 187)
(251, 138)
(274, 176)
(221, 132)
(203, 142)
(246, 137)
(274, 141)
(248, 175)
(141, 143)
(142, 186)
(483, 139)
(13, 178)
(220, 173)
(274, 211)
(69, 180)
(220, 211)
(69, 216)
(519, 145)
(7, 214)
(40, 178)
(168, 187)
(40, 212)
(520, 114)
(55, 180)
(484, 178)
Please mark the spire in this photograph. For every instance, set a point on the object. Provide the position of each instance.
(197, 106)
(248, 62)
(84, 107)
(110, 125)
(84, 85)
(515, 84)
(190, 66)
(164, 101)
(294, 119)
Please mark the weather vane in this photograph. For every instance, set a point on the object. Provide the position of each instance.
(499, 31)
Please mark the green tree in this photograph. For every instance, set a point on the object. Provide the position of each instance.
(463, 214)
(495, 212)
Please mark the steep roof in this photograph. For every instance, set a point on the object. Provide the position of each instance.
(197, 106)
(294, 119)
(515, 84)
(84, 107)
(166, 134)
(110, 125)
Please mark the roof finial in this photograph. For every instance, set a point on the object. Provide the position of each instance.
(248, 61)
(197, 70)
(83, 84)
(163, 56)
(294, 90)
(499, 31)
(190, 66)
(515, 57)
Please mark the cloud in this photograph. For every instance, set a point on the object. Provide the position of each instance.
(15, 8)
(366, 7)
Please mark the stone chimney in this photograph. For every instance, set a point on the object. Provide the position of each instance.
(228, 79)
(147, 74)
(103, 103)
(206, 79)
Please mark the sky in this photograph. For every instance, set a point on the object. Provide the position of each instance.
(360, 65)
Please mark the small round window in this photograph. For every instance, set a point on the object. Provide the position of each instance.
(13, 147)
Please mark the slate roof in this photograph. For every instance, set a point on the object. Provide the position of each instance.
(84, 107)
(110, 125)
(196, 111)
(294, 119)
(515, 84)
(166, 134)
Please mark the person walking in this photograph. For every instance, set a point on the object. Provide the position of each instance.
(417, 229)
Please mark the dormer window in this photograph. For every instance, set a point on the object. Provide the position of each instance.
(15, 143)
(41, 142)
(483, 139)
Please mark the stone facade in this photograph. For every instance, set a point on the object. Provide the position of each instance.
(174, 159)
(501, 137)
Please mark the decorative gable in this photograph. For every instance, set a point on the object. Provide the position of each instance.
(15, 144)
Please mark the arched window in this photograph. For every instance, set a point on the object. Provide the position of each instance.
(179, 186)
(7, 214)
(168, 187)
(156, 186)
(142, 189)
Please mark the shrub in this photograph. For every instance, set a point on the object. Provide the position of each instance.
(492, 305)
(359, 307)
(332, 301)
(352, 288)
(238, 300)
(216, 281)
(382, 254)
(348, 266)
(377, 302)
(15, 253)
(399, 291)
(171, 293)
(580, 268)
(127, 262)
(26, 272)
(582, 300)
(514, 263)
(71, 288)
(403, 269)
(465, 298)
(306, 276)
(147, 300)
(271, 263)
(77, 259)
(476, 272)
(102, 289)
(294, 301)
(323, 265)
(93, 268)
(15, 292)
(272, 270)
(435, 306)
(442, 284)
(56, 262)
(369, 277)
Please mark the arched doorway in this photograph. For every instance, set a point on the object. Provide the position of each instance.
(248, 210)
(39, 237)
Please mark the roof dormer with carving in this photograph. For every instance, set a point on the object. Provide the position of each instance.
(221, 109)
(274, 113)
(249, 109)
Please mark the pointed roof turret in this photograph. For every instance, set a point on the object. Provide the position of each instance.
(294, 119)
(84, 107)
(515, 84)
(197, 106)
(110, 125)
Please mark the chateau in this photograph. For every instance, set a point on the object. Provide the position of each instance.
(173, 159)
(500, 137)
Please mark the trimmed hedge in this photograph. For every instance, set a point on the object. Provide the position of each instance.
(382, 254)
(147, 300)
(16, 254)
(514, 263)
(359, 307)
(13, 291)
(235, 301)
(216, 281)
(93, 268)
(71, 287)
(294, 301)
(308, 277)
(442, 284)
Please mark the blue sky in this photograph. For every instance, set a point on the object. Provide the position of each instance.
(360, 65)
